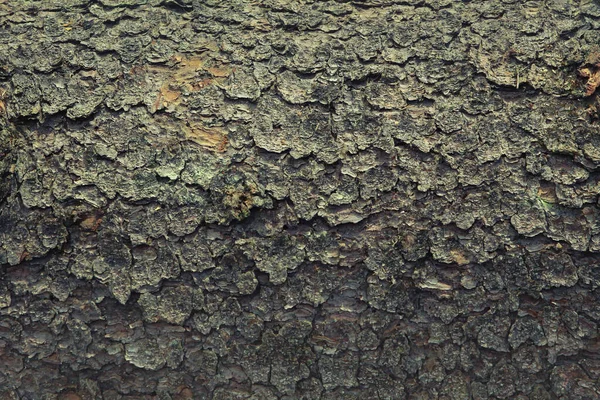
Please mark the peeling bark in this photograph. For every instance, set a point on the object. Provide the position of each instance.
(299, 200)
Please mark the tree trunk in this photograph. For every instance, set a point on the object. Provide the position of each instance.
(370, 199)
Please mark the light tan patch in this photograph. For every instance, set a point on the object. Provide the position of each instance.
(169, 95)
(91, 223)
(3, 110)
(434, 284)
(593, 75)
(185, 78)
(214, 139)
(459, 257)
(188, 68)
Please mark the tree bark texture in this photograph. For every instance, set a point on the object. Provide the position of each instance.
(369, 199)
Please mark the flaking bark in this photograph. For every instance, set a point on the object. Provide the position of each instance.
(299, 199)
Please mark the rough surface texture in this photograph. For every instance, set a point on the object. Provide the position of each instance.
(299, 199)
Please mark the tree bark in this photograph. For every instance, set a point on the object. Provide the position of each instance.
(299, 199)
